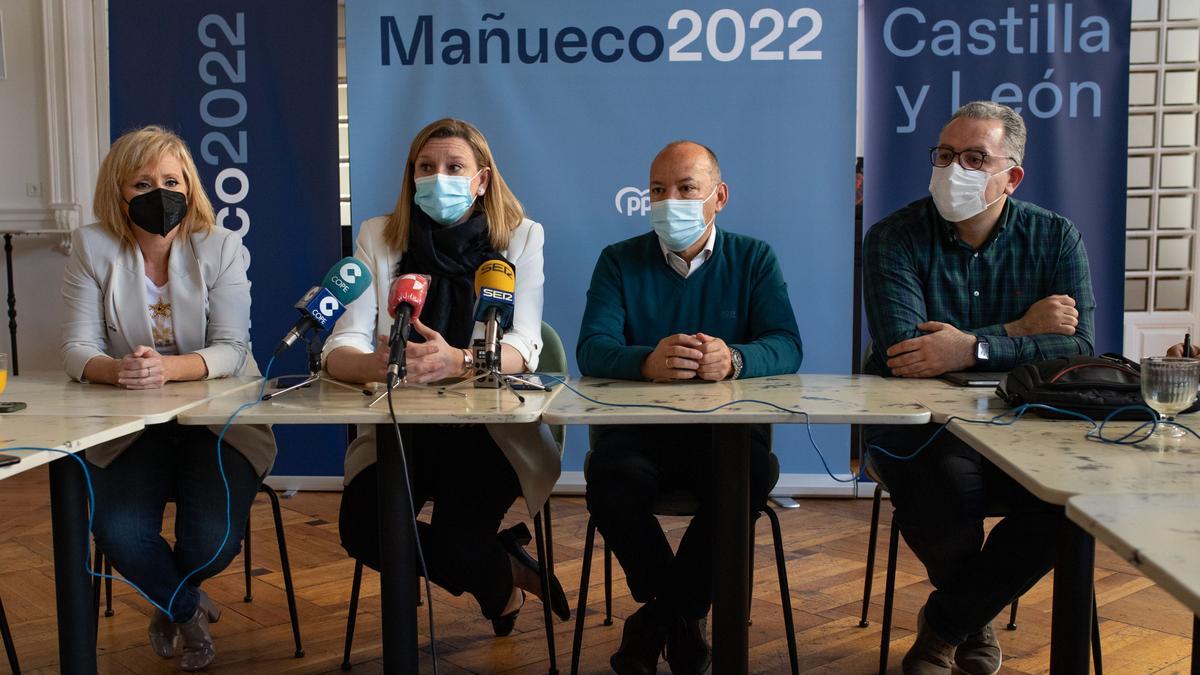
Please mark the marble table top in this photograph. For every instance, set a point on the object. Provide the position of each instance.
(945, 400)
(72, 433)
(328, 403)
(53, 393)
(828, 399)
(1158, 533)
(1055, 460)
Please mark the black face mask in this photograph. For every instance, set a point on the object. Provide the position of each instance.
(158, 211)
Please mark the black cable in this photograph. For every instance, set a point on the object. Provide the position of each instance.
(413, 511)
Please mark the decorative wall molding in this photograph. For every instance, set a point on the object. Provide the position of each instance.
(72, 131)
(1151, 333)
(25, 219)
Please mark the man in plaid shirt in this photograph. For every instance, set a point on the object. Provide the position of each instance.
(970, 279)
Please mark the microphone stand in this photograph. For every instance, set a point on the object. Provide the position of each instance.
(397, 370)
(314, 373)
(487, 364)
(401, 382)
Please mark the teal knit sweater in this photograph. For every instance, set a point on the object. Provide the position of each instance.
(738, 295)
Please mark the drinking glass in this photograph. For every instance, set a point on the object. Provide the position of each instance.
(1169, 386)
(3, 371)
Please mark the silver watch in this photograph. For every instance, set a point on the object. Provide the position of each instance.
(738, 363)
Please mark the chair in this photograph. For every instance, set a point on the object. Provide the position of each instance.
(890, 584)
(682, 503)
(9, 647)
(99, 563)
(553, 359)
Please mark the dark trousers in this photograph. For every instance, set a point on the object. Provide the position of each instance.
(941, 497)
(172, 461)
(472, 486)
(628, 469)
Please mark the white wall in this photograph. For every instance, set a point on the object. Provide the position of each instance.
(22, 106)
(50, 139)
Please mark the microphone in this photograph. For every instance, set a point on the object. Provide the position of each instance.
(494, 284)
(405, 300)
(322, 305)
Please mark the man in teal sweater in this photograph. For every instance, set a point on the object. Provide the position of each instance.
(684, 302)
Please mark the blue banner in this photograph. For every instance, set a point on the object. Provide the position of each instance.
(252, 89)
(577, 98)
(1063, 65)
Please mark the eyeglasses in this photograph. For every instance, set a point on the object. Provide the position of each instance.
(972, 160)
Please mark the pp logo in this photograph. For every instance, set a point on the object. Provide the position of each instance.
(350, 273)
(632, 201)
(328, 306)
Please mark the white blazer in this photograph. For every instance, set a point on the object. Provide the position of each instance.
(368, 316)
(104, 292)
(533, 454)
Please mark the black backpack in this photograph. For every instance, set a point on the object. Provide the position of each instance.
(1091, 385)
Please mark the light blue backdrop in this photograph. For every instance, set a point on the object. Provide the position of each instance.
(574, 132)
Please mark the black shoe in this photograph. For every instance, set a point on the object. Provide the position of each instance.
(641, 642)
(513, 541)
(503, 625)
(687, 651)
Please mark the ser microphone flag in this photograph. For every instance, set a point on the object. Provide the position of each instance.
(495, 281)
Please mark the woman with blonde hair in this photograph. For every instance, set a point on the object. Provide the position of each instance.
(155, 293)
(454, 213)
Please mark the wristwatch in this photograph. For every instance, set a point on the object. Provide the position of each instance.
(981, 351)
(736, 357)
(468, 362)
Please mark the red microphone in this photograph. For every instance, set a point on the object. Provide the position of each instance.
(405, 300)
(409, 289)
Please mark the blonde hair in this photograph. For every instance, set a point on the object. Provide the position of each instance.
(129, 153)
(503, 211)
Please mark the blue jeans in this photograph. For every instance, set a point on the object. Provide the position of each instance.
(171, 461)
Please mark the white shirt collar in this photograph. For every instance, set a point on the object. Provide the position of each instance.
(681, 266)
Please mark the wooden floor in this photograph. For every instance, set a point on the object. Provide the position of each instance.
(1144, 630)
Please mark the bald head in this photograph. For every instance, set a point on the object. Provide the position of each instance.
(690, 152)
(688, 170)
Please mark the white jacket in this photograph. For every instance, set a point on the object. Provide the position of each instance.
(367, 317)
(104, 292)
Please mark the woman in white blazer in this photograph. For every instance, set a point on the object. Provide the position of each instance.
(154, 293)
(454, 212)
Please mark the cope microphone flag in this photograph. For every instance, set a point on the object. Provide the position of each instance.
(322, 305)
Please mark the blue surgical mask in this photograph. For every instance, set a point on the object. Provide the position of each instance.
(444, 198)
(679, 223)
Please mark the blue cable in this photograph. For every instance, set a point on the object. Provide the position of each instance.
(92, 502)
(1095, 433)
(1006, 418)
(659, 406)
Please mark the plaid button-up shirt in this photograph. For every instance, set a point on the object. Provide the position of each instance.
(916, 269)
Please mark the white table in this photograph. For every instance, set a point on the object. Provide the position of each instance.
(944, 399)
(52, 399)
(1055, 461)
(327, 403)
(72, 434)
(1159, 534)
(827, 399)
(53, 393)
